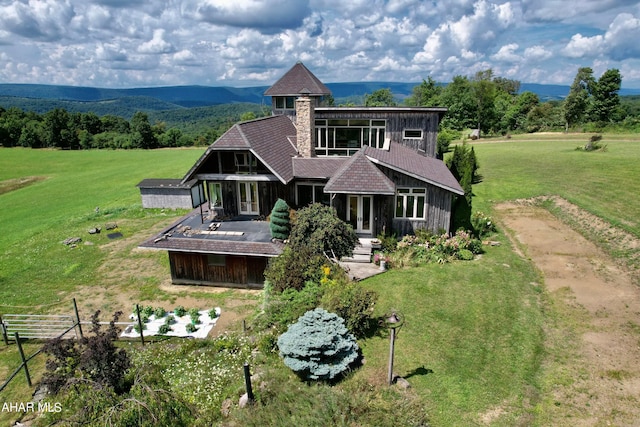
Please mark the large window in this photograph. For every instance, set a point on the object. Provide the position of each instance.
(215, 194)
(344, 137)
(411, 203)
(311, 193)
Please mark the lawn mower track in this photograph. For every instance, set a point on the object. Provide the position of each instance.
(600, 383)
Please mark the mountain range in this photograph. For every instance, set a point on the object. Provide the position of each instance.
(124, 102)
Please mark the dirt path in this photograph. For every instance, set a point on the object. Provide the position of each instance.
(592, 366)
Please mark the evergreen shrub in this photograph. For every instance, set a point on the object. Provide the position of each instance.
(319, 346)
(280, 224)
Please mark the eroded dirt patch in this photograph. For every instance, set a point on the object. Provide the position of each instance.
(17, 183)
(595, 377)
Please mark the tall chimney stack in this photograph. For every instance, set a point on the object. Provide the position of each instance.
(305, 120)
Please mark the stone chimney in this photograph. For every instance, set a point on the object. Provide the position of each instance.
(305, 120)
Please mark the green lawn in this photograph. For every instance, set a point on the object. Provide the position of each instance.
(604, 183)
(35, 268)
(472, 343)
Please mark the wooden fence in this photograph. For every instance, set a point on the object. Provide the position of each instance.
(18, 327)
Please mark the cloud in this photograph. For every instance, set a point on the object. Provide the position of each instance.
(507, 53)
(623, 36)
(266, 16)
(619, 42)
(157, 44)
(37, 19)
(537, 53)
(470, 34)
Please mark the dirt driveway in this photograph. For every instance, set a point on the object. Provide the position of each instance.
(591, 372)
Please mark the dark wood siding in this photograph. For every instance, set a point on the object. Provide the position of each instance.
(238, 271)
(438, 214)
(397, 122)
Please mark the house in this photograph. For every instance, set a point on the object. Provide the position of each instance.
(376, 166)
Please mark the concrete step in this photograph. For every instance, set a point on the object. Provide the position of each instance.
(360, 258)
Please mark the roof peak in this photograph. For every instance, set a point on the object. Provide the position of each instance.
(296, 81)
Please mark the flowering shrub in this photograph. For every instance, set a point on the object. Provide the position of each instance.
(380, 256)
(482, 224)
(414, 250)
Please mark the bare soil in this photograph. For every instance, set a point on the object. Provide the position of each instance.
(591, 370)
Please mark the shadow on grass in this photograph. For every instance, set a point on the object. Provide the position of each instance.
(419, 371)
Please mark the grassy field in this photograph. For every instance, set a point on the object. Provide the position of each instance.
(472, 343)
(603, 183)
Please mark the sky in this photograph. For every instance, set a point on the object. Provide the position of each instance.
(150, 43)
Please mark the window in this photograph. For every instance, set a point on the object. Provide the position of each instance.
(312, 193)
(215, 194)
(216, 260)
(412, 134)
(344, 137)
(285, 102)
(245, 162)
(411, 203)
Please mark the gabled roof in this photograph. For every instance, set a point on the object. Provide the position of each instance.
(268, 138)
(298, 80)
(407, 161)
(317, 167)
(359, 176)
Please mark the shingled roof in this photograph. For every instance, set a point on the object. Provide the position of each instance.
(268, 138)
(359, 176)
(407, 161)
(298, 80)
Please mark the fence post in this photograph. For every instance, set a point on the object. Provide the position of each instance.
(4, 332)
(24, 360)
(247, 383)
(139, 323)
(75, 309)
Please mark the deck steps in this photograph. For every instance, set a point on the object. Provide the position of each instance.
(361, 253)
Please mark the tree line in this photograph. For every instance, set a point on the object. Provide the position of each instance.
(495, 105)
(484, 101)
(59, 128)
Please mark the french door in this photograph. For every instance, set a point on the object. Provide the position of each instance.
(360, 214)
(248, 194)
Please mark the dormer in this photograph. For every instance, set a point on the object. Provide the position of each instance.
(296, 82)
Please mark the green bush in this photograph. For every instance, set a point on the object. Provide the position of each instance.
(180, 311)
(465, 255)
(318, 346)
(213, 313)
(388, 243)
(164, 329)
(482, 224)
(191, 327)
(159, 312)
(194, 314)
(283, 308)
(318, 229)
(353, 303)
(170, 320)
(293, 268)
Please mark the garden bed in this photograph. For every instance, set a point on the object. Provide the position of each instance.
(180, 328)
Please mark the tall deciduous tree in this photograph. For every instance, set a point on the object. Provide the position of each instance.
(577, 101)
(380, 98)
(458, 97)
(484, 91)
(425, 94)
(606, 102)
